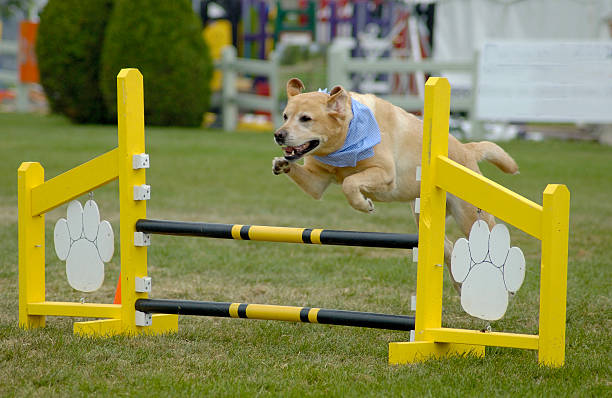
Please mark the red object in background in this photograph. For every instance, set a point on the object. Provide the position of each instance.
(303, 4)
(7, 95)
(28, 66)
(262, 88)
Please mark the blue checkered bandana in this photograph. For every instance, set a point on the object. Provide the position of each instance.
(363, 134)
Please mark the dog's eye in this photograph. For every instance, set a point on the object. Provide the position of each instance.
(285, 116)
(305, 119)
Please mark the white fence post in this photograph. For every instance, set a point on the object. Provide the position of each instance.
(229, 90)
(273, 80)
(478, 129)
(337, 59)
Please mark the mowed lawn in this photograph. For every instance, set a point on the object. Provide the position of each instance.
(202, 175)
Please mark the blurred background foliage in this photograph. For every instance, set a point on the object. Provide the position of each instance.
(82, 45)
(68, 49)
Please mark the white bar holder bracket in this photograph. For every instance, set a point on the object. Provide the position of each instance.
(144, 318)
(143, 285)
(142, 192)
(142, 239)
(140, 161)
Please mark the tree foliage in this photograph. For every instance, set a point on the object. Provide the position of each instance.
(68, 47)
(9, 8)
(163, 39)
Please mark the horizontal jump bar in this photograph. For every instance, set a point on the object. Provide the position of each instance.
(279, 234)
(277, 313)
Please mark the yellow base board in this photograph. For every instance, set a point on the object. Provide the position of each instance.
(162, 324)
(267, 127)
(419, 351)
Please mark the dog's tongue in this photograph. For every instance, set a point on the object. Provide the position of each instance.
(293, 150)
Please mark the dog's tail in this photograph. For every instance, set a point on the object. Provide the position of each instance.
(491, 152)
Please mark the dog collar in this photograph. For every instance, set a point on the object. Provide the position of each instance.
(363, 134)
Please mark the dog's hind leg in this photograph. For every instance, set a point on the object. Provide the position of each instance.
(466, 214)
(448, 249)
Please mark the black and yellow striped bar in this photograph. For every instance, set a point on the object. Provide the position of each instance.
(276, 313)
(279, 234)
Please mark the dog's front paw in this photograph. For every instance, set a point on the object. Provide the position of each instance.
(280, 166)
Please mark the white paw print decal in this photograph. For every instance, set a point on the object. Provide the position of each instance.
(488, 269)
(85, 243)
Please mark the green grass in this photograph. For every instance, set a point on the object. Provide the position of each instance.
(212, 176)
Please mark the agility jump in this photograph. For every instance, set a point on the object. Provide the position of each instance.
(134, 315)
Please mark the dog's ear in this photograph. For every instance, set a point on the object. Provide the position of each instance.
(338, 102)
(294, 87)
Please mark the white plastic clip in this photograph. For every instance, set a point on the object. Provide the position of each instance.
(413, 303)
(142, 192)
(417, 205)
(143, 285)
(140, 161)
(415, 255)
(143, 319)
(418, 173)
(142, 239)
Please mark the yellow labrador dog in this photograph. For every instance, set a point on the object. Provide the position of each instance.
(371, 148)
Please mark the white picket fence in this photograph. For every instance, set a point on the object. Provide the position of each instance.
(340, 67)
(8, 48)
(231, 100)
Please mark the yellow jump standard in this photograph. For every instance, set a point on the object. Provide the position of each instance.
(37, 197)
(548, 223)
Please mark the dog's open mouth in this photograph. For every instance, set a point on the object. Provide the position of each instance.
(296, 152)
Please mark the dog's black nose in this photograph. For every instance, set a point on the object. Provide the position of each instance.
(280, 136)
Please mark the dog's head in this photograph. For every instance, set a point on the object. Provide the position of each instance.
(315, 122)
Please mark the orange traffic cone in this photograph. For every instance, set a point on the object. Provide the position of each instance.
(117, 299)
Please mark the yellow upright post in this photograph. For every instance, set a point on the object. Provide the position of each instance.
(432, 208)
(432, 220)
(130, 115)
(31, 231)
(553, 275)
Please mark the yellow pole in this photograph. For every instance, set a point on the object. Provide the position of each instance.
(553, 275)
(130, 115)
(31, 231)
(432, 208)
(432, 221)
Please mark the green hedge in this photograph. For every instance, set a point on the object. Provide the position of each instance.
(68, 49)
(164, 40)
